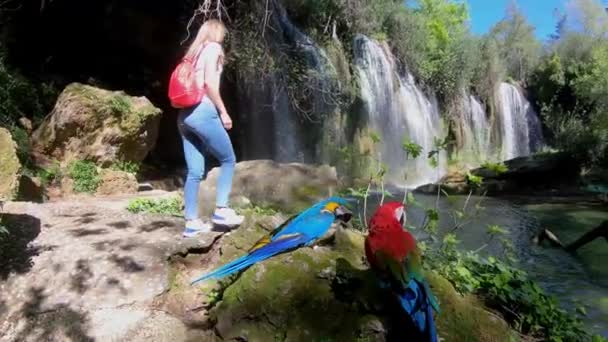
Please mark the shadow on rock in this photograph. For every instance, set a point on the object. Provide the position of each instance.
(56, 323)
(80, 232)
(127, 264)
(85, 220)
(81, 274)
(120, 224)
(156, 226)
(16, 252)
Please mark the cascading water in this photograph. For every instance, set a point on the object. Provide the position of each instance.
(275, 129)
(520, 130)
(476, 131)
(397, 108)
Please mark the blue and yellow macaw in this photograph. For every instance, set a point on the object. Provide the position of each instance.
(300, 230)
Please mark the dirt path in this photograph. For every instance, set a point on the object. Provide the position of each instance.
(87, 269)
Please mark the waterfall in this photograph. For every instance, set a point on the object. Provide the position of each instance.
(275, 128)
(520, 129)
(397, 108)
(476, 131)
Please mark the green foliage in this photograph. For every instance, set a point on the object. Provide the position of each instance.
(349, 16)
(571, 84)
(516, 43)
(117, 105)
(259, 211)
(509, 290)
(22, 140)
(448, 61)
(20, 97)
(49, 175)
(375, 136)
(126, 166)
(490, 70)
(85, 176)
(496, 230)
(473, 180)
(411, 148)
(165, 206)
(497, 168)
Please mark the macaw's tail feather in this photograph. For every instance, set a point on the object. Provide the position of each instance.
(418, 306)
(271, 249)
(431, 324)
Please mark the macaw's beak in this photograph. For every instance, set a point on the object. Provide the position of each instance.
(343, 214)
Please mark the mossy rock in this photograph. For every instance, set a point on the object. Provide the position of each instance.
(89, 123)
(329, 294)
(9, 166)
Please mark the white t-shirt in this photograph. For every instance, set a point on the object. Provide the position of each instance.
(212, 53)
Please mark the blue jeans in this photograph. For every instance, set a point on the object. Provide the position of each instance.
(202, 131)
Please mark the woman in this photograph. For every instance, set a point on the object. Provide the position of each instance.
(203, 129)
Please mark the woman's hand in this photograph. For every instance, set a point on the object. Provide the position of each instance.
(226, 120)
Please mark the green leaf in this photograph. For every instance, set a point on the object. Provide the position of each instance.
(432, 214)
(411, 200)
(375, 137)
(414, 150)
(474, 181)
(494, 230)
(581, 310)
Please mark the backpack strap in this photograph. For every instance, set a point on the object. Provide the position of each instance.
(198, 55)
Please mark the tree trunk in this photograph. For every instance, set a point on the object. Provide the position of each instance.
(597, 232)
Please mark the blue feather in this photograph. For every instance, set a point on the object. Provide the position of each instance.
(304, 229)
(417, 304)
(269, 250)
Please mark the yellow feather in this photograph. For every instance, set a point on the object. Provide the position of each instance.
(260, 243)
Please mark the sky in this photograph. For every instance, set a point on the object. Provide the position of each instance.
(540, 13)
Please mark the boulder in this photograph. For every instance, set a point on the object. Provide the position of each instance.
(113, 182)
(329, 294)
(9, 166)
(103, 126)
(288, 187)
(538, 174)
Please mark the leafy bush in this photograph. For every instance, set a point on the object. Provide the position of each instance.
(509, 290)
(497, 168)
(85, 176)
(22, 140)
(166, 206)
(19, 97)
(126, 166)
(259, 211)
(49, 175)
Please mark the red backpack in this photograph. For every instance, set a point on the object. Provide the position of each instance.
(183, 90)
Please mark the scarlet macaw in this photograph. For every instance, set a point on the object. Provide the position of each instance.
(392, 254)
(301, 230)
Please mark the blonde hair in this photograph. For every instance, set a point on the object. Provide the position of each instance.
(212, 30)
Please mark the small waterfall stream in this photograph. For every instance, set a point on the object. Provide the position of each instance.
(476, 131)
(396, 109)
(520, 129)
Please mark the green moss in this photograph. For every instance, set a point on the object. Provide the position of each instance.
(104, 104)
(9, 165)
(464, 318)
(288, 284)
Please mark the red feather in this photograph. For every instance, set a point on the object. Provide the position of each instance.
(387, 235)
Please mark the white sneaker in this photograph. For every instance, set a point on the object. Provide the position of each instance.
(195, 227)
(226, 217)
